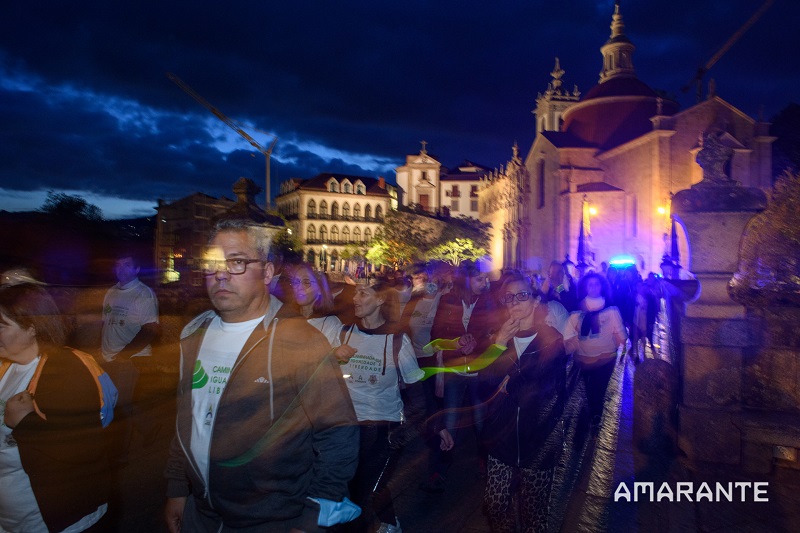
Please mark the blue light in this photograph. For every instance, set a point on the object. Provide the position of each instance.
(622, 260)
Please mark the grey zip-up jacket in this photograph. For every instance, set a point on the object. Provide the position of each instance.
(285, 429)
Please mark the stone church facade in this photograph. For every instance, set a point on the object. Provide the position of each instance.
(611, 160)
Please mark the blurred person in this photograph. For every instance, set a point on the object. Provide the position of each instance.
(523, 432)
(374, 356)
(468, 314)
(130, 325)
(53, 465)
(593, 335)
(559, 286)
(423, 402)
(266, 434)
(311, 294)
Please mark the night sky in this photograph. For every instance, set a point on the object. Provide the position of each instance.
(348, 87)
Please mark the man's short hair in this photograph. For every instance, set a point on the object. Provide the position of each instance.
(261, 235)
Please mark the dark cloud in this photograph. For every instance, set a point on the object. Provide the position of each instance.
(85, 103)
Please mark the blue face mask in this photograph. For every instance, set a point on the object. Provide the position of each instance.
(431, 288)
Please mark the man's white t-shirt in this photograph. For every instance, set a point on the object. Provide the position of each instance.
(371, 375)
(126, 308)
(222, 344)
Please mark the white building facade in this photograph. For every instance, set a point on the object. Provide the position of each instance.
(330, 211)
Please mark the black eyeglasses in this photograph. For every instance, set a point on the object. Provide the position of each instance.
(231, 266)
(521, 296)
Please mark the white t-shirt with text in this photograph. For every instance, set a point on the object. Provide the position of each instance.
(222, 344)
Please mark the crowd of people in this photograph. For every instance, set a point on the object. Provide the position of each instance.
(296, 394)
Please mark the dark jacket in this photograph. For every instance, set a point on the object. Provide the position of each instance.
(285, 429)
(448, 324)
(566, 297)
(64, 456)
(523, 426)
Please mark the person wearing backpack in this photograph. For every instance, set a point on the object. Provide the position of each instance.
(54, 472)
(374, 356)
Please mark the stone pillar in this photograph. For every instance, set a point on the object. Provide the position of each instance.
(715, 333)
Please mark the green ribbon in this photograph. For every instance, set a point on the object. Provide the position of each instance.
(485, 359)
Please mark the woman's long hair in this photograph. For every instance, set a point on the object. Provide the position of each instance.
(31, 306)
(323, 301)
(605, 287)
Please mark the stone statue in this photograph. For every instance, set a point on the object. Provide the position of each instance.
(712, 159)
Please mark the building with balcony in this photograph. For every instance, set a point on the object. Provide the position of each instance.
(427, 185)
(330, 211)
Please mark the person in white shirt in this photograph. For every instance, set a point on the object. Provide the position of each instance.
(372, 361)
(594, 334)
(130, 325)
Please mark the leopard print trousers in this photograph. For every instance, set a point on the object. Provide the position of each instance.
(508, 489)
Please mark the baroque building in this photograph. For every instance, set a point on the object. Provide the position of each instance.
(330, 211)
(428, 186)
(607, 163)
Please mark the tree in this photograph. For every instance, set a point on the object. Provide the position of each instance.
(464, 227)
(62, 205)
(390, 253)
(288, 246)
(456, 251)
(404, 229)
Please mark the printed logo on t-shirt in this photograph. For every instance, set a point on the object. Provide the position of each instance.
(214, 381)
(199, 378)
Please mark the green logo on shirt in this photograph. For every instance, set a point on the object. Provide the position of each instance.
(199, 378)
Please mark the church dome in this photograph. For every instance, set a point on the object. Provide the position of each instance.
(619, 108)
(616, 111)
(620, 87)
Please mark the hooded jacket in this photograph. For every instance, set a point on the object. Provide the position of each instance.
(285, 429)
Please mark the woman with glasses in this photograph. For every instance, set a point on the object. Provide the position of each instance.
(593, 335)
(523, 432)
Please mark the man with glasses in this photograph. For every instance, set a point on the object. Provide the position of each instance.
(267, 438)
